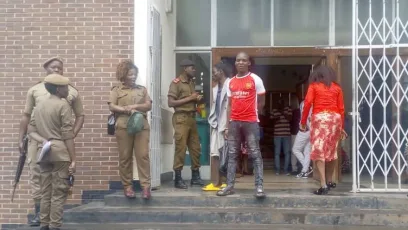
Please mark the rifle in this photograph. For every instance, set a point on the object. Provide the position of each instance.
(20, 165)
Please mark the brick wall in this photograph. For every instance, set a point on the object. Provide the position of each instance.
(91, 36)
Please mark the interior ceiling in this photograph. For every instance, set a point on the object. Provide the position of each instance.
(286, 60)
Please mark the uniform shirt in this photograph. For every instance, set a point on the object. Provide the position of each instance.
(282, 125)
(124, 96)
(323, 98)
(52, 120)
(243, 92)
(39, 93)
(180, 88)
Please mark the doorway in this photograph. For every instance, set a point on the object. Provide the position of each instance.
(284, 72)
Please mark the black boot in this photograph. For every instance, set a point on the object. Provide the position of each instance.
(35, 222)
(178, 181)
(195, 178)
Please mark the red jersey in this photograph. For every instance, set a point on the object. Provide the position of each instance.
(323, 98)
(243, 92)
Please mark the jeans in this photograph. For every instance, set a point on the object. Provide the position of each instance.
(238, 132)
(279, 142)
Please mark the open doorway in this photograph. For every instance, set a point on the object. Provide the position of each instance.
(285, 79)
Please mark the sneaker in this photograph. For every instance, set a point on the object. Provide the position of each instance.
(294, 173)
(310, 171)
(300, 175)
(259, 192)
(287, 174)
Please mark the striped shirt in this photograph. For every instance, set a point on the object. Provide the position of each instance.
(282, 125)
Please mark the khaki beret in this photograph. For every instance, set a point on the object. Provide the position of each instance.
(46, 63)
(56, 79)
(186, 62)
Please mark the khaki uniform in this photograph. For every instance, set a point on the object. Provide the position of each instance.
(132, 144)
(35, 95)
(52, 120)
(184, 123)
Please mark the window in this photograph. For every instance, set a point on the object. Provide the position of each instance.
(301, 23)
(243, 23)
(193, 23)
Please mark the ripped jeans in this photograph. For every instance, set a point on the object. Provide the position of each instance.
(239, 132)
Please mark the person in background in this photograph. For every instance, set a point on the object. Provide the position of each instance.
(294, 129)
(52, 122)
(219, 123)
(35, 95)
(327, 123)
(247, 96)
(124, 100)
(183, 98)
(301, 147)
(282, 116)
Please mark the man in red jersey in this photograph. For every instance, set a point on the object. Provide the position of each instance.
(247, 96)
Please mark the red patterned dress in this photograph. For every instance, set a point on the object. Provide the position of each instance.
(327, 119)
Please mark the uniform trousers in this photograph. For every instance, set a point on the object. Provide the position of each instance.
(186, 136)
(128, 145)
(54, 187)
(34, 170)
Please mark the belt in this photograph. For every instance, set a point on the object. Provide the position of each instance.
(189, 113)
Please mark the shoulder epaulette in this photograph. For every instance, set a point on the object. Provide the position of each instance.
(176, 80)
(140, 86)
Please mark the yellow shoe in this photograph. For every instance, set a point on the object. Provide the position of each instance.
(210, 187)
(223, 185)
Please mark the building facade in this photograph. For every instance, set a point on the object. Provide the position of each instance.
(365, 41)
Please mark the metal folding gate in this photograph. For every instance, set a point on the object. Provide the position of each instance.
(155, 88)
(380, 99)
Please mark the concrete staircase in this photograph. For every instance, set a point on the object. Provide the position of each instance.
(281, 208)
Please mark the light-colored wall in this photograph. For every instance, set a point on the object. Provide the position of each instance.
(168, 73)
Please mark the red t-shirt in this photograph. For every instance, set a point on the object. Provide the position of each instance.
(243, 92)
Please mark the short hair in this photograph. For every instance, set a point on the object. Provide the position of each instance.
(323, 74)
(224, 68)
(123, 69)
(51, 88)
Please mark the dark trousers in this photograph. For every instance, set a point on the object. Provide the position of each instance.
(239, 132)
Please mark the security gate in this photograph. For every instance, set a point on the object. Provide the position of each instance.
(155, 88)
(380, 99)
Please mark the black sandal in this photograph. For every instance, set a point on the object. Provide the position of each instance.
(225, 192)
(331, 185)
(321, 191)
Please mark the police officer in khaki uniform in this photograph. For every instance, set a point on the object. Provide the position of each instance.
(124, 100)
(183, 98)
(35, 95)
(52, 122)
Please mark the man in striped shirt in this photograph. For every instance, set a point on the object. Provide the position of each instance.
(282, 116)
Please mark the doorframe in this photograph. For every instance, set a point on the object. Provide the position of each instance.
(332, 59)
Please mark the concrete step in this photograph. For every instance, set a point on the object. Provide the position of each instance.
(169, 226)
(276, 199)
(99, 213)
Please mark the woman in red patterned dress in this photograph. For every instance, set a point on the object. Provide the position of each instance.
(327, 124)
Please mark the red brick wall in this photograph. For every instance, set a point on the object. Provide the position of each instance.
(91, 36)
